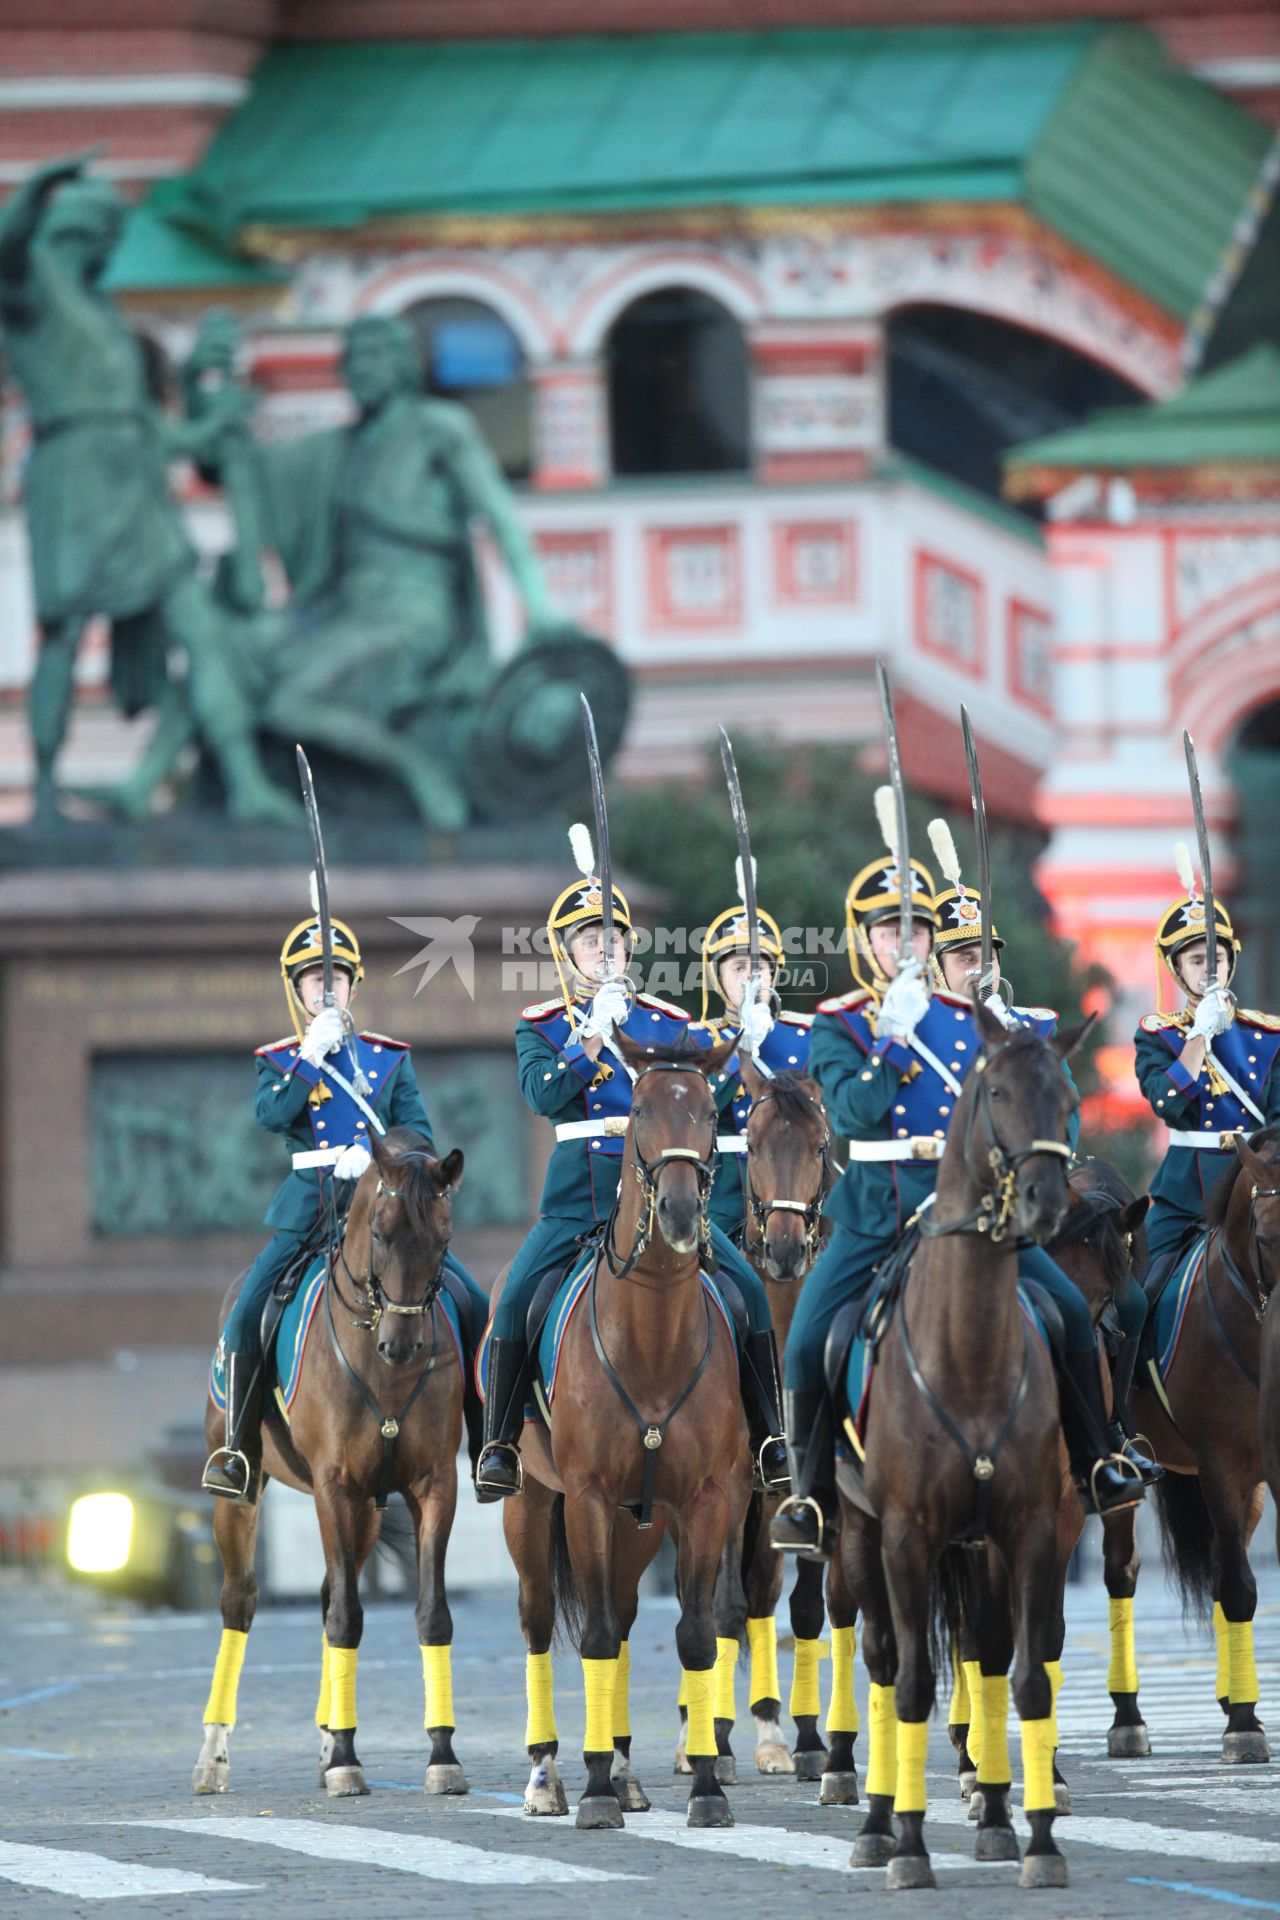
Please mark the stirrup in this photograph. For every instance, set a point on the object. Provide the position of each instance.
(799, 1503)
(762, 1480)
(505, 1450)
(223, 1457)
(1123, 1465)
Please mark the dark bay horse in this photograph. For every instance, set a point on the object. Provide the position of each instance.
(1207, 1437)
(963, 1433)
(378, 1406)
(646, 1410)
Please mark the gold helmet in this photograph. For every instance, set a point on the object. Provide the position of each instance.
(581, 905)
(728, 934)
(302, 949)
(1183, 923)
(958, 908)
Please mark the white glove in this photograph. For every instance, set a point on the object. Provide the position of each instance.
(755, 1024)
(905, 1003)
(324, 1036)
(1214, 1014)
(352, 1162)
(609, 1009)
(1005, 1015)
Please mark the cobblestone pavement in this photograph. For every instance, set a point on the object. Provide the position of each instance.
(100, 1723)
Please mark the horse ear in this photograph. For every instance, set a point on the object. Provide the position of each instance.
(752, 1078)
(1067, 1039)
(449, 1171)
(635, 1055)
(709, 1060)
(383, 1158)
(991, 1029)
(1254, 1165)
(1130, 1218)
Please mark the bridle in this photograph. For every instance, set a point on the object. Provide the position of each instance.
(1257, 1305)
(994, 1211)
(758, 1210)
(369, 1284)
(648, 1172)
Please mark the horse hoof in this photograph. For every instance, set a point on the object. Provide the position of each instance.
(546, 1800)
(682, 1762)
(977, 1801)
(631, 1796)
(774, 1758)
(872, 1850)
(1248, 1749)
(709, 1810)
(906, 1871)
(213, 1776)
(809, 1765)
(726, 1770)
(1061, 1797)
(996, 1843)
(1043, 1870)
(599, 1810)
(1128, 1743)
(445, 1779)
(968, 1781)
(838, 1790)
(341, 1783)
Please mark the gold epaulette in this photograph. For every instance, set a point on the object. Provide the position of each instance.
(662, 1006)
(1269, 1022)
(842, 1002)
(1037, 1013)
(956, 1000)
(385, 1040)
(790, 1019)
(541, 1012)
(1161, 1022)
(274, 1046)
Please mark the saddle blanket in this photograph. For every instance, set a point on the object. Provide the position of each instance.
(293, 1332)
(1165, 1320)
(569, 1296)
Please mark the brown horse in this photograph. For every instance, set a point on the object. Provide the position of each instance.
(1267, 1227)
(1204, 1425)
(378, 1407)
(962, 1437)
(646, 1416)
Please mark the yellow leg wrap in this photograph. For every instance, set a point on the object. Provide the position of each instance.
(342, 1687)
(762, 1640)
(1054, 1670)
(622, 1695)
(699, 1691)
(597, 1680)
(973, 1682)
(1242, 1687)
(682, 1698)
(1223, 1682)
(995, 1730)
(1037, 1766)
(540, 1727)
(804, 1678)
(959, 1714)
(882, 1758)
(437, 1687)
(913, 1744)
(842, 1711)
(220, 1708)
(1122, 1672)
(725, 1668)
(322, 1704)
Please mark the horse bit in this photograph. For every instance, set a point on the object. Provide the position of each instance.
(758, 1210)
(994, 1210)
(369, 1285)
(647, 1172)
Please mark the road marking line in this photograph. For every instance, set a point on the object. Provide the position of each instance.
(92, 1876)
(1206, 1893)
(38, 1693)
(35, 1753)
(422, 1854)
(1143, 1836)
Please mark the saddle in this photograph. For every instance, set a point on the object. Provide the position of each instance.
(286, 1287)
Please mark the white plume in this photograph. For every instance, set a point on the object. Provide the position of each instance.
(944, 849)
(887, 818)
(1182, 861)
(584, 857)
(737, 876)
(315, 892)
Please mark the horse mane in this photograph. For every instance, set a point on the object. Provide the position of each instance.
(794, 1094)
(1091, 1223)
(1215, 1213)
(414, 1158)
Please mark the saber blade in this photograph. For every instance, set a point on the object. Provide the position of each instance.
(739, 812)
(1206, 869)
(321, 875)
(603, 858)
(986, 981)
(900, 810)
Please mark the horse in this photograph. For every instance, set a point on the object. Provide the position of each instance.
(960, 1372)
(646, 1415)
(1102, 1241)
(787, 1174)
(1204, 1425)
(377, 1407)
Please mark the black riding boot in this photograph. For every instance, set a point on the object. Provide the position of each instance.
(1105, 1481)
(761, 1397)
(498, 1470)
(1120, 1433)
(231, 1469)
(804, 1524)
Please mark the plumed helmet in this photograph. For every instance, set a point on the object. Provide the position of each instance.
(728, 933)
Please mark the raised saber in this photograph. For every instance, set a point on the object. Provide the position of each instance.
(900, 810)
(986, 981)
(603, 860)
(1206, 869)
(739, 812)
(318, 870)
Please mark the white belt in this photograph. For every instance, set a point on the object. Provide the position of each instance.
(1214, 1142)
(921, 1146)
(731, 1143)
(612, 1127)
(319, 1157)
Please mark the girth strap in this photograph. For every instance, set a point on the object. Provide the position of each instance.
(1238, 1284)
(389, 1425)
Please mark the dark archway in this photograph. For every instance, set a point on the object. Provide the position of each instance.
(964, 387)
(1254, 765)
(471, 355)
(678, 386)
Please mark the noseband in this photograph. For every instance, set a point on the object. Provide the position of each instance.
(994, 1210)
(758, 1210)
(368, 1286)
(647, 1172)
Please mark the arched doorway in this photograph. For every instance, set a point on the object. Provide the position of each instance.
(471, 355)
(1254, 765)
(678, 386)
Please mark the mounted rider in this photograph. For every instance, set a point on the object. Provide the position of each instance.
(317, 1087)
(569, 1076)
(891, 1059)
(1207, 1069)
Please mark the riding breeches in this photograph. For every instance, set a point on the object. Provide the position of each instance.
(548, 1248)
(1037, 1265)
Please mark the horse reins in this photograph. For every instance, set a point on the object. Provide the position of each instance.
(758, 1210)
(994, 1210)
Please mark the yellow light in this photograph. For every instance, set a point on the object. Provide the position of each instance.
(100, 1532)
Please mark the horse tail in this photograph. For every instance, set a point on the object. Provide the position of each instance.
(1187, 1533)
(566, 1600)
(751, 1530)
(952, 1601)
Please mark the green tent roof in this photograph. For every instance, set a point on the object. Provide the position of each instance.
(154, 255)
(1094, 130)
(1231, 414)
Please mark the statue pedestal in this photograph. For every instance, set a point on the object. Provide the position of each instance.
(199, 840)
